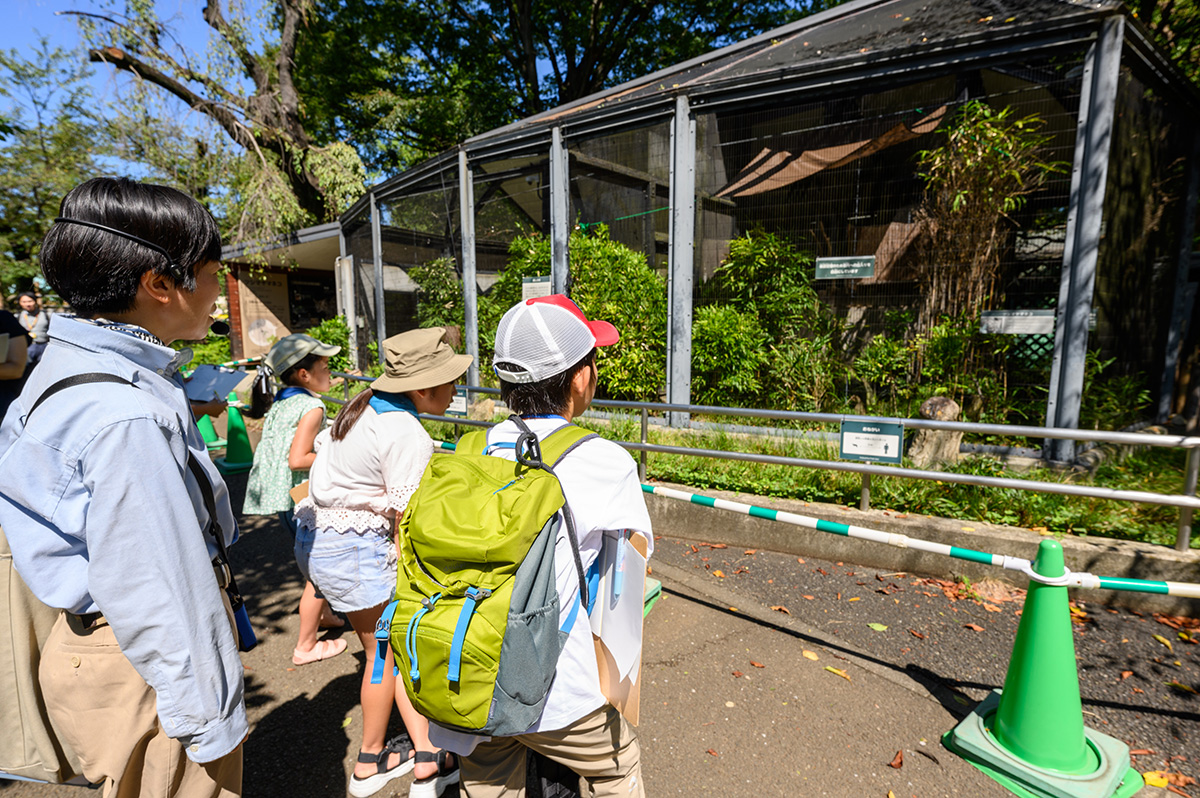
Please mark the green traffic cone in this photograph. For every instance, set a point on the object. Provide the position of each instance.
(206, 429)
(209, 433)
(1040, 717)
(1030, 737)
(239, 457)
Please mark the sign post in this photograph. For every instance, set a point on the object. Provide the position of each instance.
(872, 441)
(848, 268)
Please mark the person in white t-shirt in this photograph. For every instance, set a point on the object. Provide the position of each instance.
(366, 469)
(545, 357)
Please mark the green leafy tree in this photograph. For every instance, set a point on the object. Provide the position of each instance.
(1175, 26)
(245, 85)
(406, 79)
(53, 139)
(976, 181)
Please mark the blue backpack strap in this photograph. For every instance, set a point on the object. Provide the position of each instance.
(474, 596)
(383, 635)
(410, 636)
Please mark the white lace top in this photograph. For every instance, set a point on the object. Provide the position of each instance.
(362, 483)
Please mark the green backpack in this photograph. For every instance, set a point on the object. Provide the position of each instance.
(475, 624)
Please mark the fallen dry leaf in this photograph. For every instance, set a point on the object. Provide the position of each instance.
(916, 634)
(1138, 690)
(800, 560)
(809, 655)
(838, 671)
(757, 664)
(714, 753)
(991, 607)
(890, 793)
(897, 761)
(1125, 675)
(781, 608)
(750, 551)
(974, 627)
(718, 574)
(1141, 752)
(1165, 642)
(1155, 778)
(810, 598)
(738, 674)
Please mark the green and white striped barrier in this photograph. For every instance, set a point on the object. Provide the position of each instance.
(1069, 579)
(232, 364)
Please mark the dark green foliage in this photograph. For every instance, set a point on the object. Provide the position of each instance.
(1110, 400)
(440, 300)
(610, 282)
(728, 350)
(405, 80)
(213, 350)
(335, 332)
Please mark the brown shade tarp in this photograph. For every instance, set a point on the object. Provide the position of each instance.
(773, 169)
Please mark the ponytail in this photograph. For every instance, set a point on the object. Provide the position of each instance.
(261, 395)
(344, 421)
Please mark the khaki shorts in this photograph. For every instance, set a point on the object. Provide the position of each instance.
(103, 709)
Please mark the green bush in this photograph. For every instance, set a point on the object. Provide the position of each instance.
(728, 350)
(212, 351)
(335, 332)
(440, 298)
(1110, 400)
(802, 374)
(765, 276)
(610, 282)
(882, 368)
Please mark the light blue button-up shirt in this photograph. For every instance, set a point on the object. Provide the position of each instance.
(103, 515)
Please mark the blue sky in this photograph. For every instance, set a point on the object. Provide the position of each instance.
(26, 20)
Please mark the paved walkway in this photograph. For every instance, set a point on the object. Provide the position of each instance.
(733, 701)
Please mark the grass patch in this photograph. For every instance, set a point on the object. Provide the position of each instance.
(1158, 470)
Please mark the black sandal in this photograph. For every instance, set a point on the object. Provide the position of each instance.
(433, 786)
(400, 744)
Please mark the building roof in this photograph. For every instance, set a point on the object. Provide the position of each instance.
(856, 40)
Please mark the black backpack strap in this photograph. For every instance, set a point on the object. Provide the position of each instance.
(527, 442)
(72, 381)
(206, 491)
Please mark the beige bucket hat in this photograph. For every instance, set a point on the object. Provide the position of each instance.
(419, 359)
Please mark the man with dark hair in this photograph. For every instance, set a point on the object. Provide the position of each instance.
(113, 509)
(546, 359)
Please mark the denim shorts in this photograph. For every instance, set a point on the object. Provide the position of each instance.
(354, 572)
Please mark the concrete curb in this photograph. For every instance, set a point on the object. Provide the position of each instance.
(1100, 556)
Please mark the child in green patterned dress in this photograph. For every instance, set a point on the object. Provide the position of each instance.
(283, 457)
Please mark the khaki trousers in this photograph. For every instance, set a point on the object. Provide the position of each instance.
(601, 747)
(103, 709)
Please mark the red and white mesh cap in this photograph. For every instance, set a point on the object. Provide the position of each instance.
(545, 336)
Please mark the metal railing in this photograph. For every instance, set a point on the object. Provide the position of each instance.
(1187, 501)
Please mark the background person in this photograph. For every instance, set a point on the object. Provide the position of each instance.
(283, 457)
(141, 674)
(14, 344)
(545, 357)
(359, 485)
(36, 321)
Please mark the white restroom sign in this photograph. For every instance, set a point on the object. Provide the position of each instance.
(872, 442)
